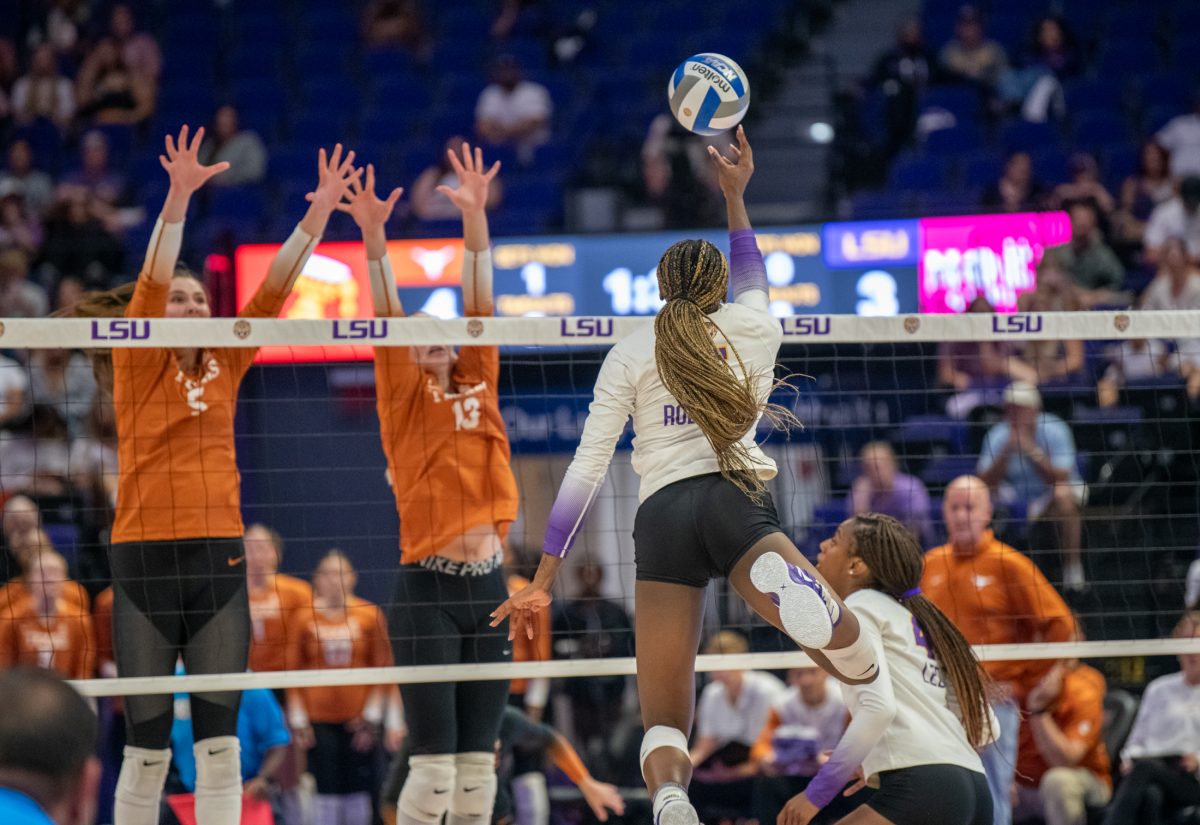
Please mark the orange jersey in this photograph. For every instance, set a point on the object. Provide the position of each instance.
(14, 599)
(525, 649)
(276, 613)
(102, 612)
(178, 475)
(998, 596)
(356, 638)
(447, 453)
(64, 643)
(1079, 714)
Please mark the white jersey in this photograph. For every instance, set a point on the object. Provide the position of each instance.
(902, 719)
(741, 720)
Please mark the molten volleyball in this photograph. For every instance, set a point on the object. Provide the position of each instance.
(709, 94)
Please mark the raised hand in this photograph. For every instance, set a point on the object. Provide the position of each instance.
(334, 177)
(182, 162)
(472, 192)
(362, 204)
(733, 175)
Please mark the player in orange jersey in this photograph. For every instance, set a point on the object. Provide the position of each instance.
(448, 461)
(277, 601)
(177, 556)
(46, 630)
(340, 725)
(14, 596)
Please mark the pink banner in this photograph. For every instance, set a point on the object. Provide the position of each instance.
(995, 256)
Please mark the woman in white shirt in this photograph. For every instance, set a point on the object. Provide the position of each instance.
(1161, 758)
(916, 728)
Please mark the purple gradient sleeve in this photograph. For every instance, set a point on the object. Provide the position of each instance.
(575, 498)
(747, 271)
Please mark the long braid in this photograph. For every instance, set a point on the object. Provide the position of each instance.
(896, 564)
(693, 278)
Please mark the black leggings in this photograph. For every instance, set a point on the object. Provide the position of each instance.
(336, 766)
(1153, 791)
(173, 598)
(443, 619)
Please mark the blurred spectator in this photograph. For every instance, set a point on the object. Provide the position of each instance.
(994, 595)
(20, 297)
(1130, 360)
(279, 604)
(78, 241)
(428, 204)
(1016, 191)
(109, 92)
(48, 630)
(67, 292)
(1159, 762)
(396, 24)
(61, 26)
(731, 714)
(43, 92)
(93, 460)
(15, 595)
(1094, 269)
(1030, 457)
(1054, 48)
(512, 110)
(882, 488)
(803, 724)
(48, 733)
(1142, 191)
(1084, 185)
(903, 73)
(970, 55)
(18, 228)
(95, 173)
(242, 148)
(1181, 137)
(1062, 767)
(1178, 217)
(10, 70)
(1177, 286)
(34, 458)
(14, 390)
(530, 694)
(139, 50)
(508, 18)
(63, 379)
(677, 174)
(1035, 87)
(20, 173)
(590, 626)
(972, 368)
(20, 516)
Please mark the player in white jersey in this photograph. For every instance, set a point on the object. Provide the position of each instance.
(696, 384)
(914, 730)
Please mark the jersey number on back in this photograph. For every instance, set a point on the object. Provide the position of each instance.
(919, 638)
(466, 414)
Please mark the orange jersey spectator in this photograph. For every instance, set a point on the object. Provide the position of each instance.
(1078, 712)
(536, 649)
(45, 632)
(14, 596)
(102, 609)
(278, 603)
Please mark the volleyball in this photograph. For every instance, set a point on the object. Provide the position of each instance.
(709, 93)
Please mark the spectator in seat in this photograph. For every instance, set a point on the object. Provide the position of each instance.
(1130, 360)
(1049, 361)
(903, 73)
(1084, 185)
(20, 517)
(44, 93)
(48, 772)
(14, 391)
(63, 379)
(19, 229)
(10, 70)
(109, 92)
(78, 239)
(1035, 87)
(95, 173)
(34, 459)
(139, 51)
(731, 714)
(1178, 217)
(1016, 191)
(19, 296)
(1094, 269)
(970, 367)
(881, 488)
(513, 111)
(1181, 137)
(994, 595)
(15, 596)
(35, 184)
(1030, 457)
(803, 724)
(1160, 764)
(48, 629)
(428, 202)
(970, 55)
(1175, 287)
(242, 148)
(1142, 191)
(396, 24)
(678, 175)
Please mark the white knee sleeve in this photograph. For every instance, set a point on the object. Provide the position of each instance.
(855, 661)
(427, 790)
(661, 736)
(474, 786)
(531, 799)
(140, 786)
(218, 780)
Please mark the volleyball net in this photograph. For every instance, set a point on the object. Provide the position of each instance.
(906, 403)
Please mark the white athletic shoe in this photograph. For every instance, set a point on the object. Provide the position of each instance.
(677, 812)
(808, 613)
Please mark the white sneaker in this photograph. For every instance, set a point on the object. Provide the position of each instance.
(808, 613)
(677, 812)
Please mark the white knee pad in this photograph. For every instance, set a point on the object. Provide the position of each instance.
(427, 790)
(661, 736)
(140, 786)
(474, 786)
(218, 780)
(531, 799)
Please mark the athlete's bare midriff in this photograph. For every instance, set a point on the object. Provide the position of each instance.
(477, 544)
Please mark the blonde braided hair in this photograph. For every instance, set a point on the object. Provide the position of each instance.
(693, 277)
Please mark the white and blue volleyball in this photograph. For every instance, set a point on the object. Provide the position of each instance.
(709, 94)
